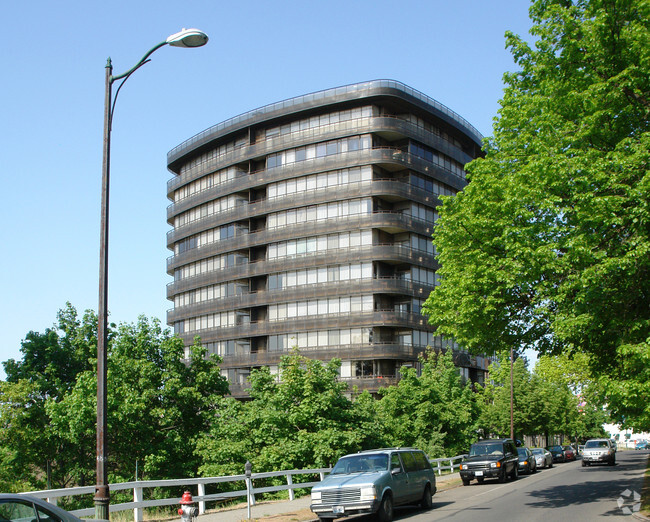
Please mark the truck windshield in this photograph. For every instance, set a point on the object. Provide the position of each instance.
(596, 444)
(361, 464)
(485, 449)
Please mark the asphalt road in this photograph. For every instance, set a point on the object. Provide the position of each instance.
(565, 492)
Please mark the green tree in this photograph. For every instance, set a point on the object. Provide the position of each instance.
(434, 411)
(565, 385)
(494, 419)
(548, 246)
(48, 370)
(158, 405)
(302, 421)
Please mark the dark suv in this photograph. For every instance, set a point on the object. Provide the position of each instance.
(490, 458)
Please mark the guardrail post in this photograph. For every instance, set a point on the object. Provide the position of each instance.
(290, 484)
(201, 502)
(137, 511)
(439, 468)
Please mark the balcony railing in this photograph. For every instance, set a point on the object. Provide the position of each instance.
(320, 98)
(384, 285)
(393, 252)
(393, 221)
(375, 155)
(353, 319)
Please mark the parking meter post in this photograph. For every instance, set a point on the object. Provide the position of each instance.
(248, 468)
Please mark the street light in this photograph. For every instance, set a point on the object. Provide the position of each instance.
(184, 38)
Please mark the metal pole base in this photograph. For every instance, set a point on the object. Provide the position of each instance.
(102, 501)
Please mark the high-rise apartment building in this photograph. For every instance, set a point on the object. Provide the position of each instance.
(308, 223)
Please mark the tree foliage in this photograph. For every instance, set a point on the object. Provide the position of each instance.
(434, 411)
(170, 418)
(546, 401)
(548, 247)
(302, 421)
(47, 371)
(157, 404)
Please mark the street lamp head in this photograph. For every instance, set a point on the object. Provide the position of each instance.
(188, 38)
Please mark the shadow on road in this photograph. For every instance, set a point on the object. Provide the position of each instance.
(590, 485)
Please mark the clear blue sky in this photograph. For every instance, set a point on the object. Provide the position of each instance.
(260, 51)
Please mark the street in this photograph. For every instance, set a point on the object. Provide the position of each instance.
(566, 492)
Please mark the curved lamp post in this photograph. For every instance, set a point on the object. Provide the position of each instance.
(184, 38)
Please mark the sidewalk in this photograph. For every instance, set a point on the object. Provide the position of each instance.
(293, 510)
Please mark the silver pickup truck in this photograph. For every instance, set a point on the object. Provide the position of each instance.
(599, 450)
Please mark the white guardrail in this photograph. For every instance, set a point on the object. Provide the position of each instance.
(139, 504)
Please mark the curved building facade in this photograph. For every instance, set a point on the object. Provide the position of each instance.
(308, 223)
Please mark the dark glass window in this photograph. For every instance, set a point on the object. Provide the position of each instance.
(364, 369)
(395, 462)
(421, 460)
(409, 462)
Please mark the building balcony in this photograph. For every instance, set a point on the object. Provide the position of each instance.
(391, 189)
(388, 89)
(390, 253)
(391, 222)
(391, 158)
(352, 319)
(386, 285)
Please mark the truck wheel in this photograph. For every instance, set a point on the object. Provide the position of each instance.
(385, 513)
(502, 477)
(515, 473)
(426, 501)
(584, 464)
(465, 482)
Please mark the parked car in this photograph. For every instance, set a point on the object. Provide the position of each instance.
(19, 508)
(543, 457)
(557, 452)
(490, 458)
(569, 453)
(527, 462)
(374, 482)
(641, 444)
(599, 450)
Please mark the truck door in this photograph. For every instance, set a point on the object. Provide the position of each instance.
(399, 479)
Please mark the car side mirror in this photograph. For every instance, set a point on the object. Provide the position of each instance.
(395, 471)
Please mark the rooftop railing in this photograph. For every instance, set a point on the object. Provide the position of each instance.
(314, 98)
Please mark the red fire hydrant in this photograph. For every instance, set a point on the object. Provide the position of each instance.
(188, 511)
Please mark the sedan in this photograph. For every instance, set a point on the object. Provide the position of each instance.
(543, 457)
(569, 453)
(527, 462)
(641, 445)
(25, 507)
(557, 452)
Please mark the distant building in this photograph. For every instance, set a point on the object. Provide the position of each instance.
(625, 438)
(308, 223)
